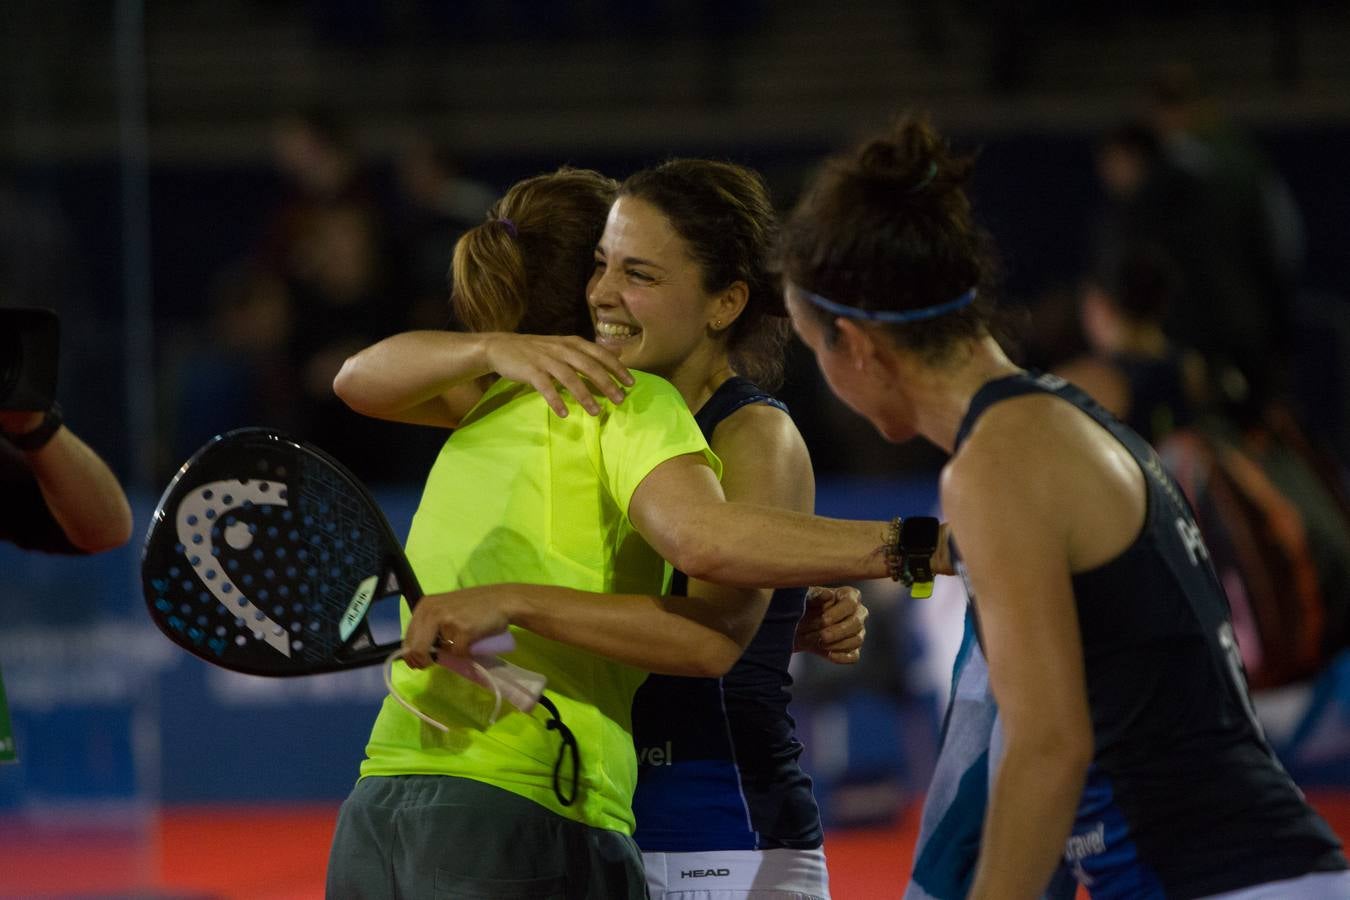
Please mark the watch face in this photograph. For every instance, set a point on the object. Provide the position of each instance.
(919, 534)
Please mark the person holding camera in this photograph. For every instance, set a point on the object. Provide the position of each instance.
(59, 495)
(56, 495)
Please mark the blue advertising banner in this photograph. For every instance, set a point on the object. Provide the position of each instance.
(106, 712)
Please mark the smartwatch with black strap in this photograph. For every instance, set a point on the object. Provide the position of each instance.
(917, 543)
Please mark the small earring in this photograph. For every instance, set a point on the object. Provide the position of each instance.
(717, 324)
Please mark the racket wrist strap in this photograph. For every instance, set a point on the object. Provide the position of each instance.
(568, 747)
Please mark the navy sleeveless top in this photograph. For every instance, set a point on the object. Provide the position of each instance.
(1184, 797)
(717, 757)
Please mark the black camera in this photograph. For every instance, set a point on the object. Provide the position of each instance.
(29, 346)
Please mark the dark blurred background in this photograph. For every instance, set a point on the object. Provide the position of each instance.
(224, 198)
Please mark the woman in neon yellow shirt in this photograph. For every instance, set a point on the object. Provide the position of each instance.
(569, 502)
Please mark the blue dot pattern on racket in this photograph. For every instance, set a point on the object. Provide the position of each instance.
(264, 556)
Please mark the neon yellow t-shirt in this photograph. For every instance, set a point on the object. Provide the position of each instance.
(518, 494)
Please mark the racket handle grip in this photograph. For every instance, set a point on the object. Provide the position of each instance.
(502, 642)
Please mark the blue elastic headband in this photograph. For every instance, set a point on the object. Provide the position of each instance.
(891, 316)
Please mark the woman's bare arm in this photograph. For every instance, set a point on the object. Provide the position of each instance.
(764, 462)
(681, 510)
(1019, 566)
(81, 492)
(702, 635)
(435, 377)
(669, 635)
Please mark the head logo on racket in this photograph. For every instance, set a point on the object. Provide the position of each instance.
(194, 526)
(265, 555)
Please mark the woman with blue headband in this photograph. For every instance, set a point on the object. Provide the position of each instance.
(1126, 746)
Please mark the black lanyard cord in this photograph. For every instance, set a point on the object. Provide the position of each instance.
(569, 743)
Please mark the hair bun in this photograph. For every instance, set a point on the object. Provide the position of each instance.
(902, 163)
(885, 159)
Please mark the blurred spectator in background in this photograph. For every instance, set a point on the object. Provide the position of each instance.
(329, 241)
(1149, 202)
(436, 204)
(1273, 514)
(329, 205)
(1199, 189)
(237, 371)
(1133, 369)
(1195, 136)
(319, 286)
(314, 152)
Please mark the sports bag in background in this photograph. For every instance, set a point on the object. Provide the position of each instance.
(1275, 519)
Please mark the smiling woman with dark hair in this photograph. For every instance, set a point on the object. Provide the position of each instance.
(552, 522)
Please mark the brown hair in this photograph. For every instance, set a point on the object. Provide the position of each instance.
(723, 212)
(889, 226)
(525, 269)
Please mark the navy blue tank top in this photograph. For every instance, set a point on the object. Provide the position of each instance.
(1184, 797)
(717, 757)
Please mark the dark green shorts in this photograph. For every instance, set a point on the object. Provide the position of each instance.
(434, 837)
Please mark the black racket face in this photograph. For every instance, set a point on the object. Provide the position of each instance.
(264, 556)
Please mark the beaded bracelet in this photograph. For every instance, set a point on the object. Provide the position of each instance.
(895, 564)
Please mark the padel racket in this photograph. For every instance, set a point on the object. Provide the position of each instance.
(265, 556)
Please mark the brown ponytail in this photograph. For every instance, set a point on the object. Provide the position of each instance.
(526, 268)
